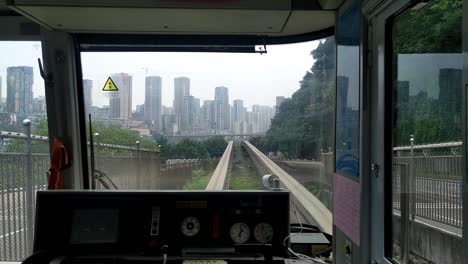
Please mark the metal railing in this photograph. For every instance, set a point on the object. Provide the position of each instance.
(24, 162)
(435, 181)
(24, 165)
(125, 167)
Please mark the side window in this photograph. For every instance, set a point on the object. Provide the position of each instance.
(427, 133)
(24, 147)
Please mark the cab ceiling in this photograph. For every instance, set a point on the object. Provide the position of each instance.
(227, 17)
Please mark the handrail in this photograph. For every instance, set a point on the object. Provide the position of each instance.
(430, 146)
(18, 135)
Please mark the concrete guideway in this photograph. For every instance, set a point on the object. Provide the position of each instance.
(311, 204)
(219, 179)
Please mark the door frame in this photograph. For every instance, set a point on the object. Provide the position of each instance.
(465, 127)
(378, 13)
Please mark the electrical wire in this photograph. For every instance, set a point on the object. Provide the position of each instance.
(295, 254)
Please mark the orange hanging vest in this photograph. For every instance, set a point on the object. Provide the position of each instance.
(59, 162)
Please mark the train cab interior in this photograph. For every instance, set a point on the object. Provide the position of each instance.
(233, 131)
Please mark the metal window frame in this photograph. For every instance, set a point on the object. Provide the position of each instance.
(167, 43)
(189, 43)
(465, 128)
(379, 96)
(380, 14)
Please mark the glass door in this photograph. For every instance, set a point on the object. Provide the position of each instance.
(426, 83)
(417, 136)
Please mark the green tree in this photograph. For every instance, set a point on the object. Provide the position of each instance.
(304, 123)
(41, 128)
(189, 149)
(435, 28)
(215, 146)
(116, 135)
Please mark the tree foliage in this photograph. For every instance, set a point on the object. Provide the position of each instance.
(435, 28)
(117, 135)
(304, 123)
(213, 147)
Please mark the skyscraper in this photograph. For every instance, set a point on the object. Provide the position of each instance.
(238, 116)
(208, 115)
(153, 102)
(450, 91)
(238, 112)
(181, 89)
(87, 94)
(19, 89)
(223, 108)
(190, 114)
(279, 101)
(262, 116)
(120, 106)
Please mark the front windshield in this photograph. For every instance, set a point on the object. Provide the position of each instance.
(163, 120)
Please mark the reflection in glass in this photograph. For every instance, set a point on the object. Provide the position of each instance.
(24, 146)
(347, 90)
(427, 132)
(170, 121)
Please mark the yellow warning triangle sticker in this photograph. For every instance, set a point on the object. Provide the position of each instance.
(110, 86)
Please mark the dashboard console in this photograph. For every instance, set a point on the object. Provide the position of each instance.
(161, 226)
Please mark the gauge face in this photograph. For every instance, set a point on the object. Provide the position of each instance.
(263, 232)
(190, 226)
(240, 233)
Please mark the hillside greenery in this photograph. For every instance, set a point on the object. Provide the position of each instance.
(304, 123)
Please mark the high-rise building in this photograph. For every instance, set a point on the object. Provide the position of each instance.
(238, 111)
(181, 90)
(139, 114)
(169, 124)
(39, 105)
(153, 102)
(190, 113)
(402, 92)
(19, 89)
(279, 101)
(238, 117)
(223, 109)
(100, 112)
(87, 94)
(342, 86)
(450, 89)
(262, 116)
(208, 115)
(120, 105)
(167, 110)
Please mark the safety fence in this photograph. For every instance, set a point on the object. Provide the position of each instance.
(24, 165)
(434, 178)
(24, 162)
(124, 167)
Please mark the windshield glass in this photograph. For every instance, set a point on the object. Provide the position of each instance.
(163, 120)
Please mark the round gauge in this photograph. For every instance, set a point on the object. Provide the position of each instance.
(263, 232)
(240, 233)
(190, 226)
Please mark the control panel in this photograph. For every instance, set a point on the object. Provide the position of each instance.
(187, 224)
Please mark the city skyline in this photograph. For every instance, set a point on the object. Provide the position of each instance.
(211, 84)
(253, 77)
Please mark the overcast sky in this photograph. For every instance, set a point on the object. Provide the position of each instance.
(254, 78)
